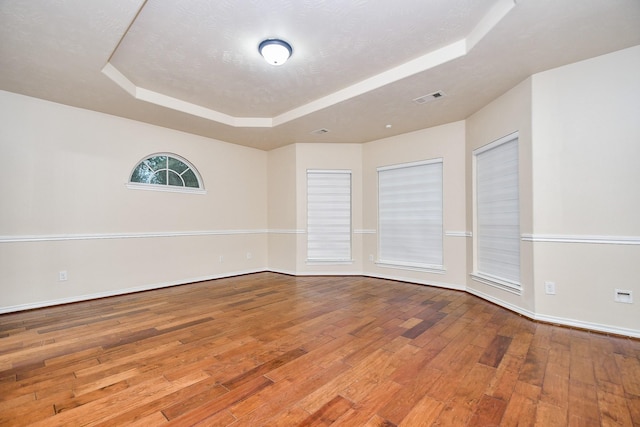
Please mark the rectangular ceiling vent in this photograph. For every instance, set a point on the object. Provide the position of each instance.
(428, 98)
(320, 131)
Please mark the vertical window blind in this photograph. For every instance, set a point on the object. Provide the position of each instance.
(410, 212)
(498, 211)
(328, 215)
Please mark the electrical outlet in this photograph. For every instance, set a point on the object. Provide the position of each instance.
(249, 255)
(221, 258)
(623, 295)
(550, 288)
(62, 275)
(371, 257)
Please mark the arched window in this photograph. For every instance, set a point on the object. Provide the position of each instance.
(166, 172)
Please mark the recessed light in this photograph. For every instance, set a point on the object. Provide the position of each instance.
(388, 126)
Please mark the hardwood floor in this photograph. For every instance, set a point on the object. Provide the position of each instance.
(274, 350)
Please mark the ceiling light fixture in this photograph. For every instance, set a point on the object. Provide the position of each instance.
(275, 51)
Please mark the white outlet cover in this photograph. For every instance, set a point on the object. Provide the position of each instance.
(623, 295)
(550, 288)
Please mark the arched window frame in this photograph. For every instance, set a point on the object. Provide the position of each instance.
(167, 187)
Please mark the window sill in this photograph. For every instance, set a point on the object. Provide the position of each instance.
(165, 188)
(425, 268)
(496, 282)
(329, 262)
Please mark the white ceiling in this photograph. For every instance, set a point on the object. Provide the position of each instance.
(193, 65)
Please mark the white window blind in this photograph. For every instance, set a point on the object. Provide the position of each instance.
(498, 211)
(410, 214)
(328, 215)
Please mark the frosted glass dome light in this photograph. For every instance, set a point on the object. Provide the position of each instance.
(275, 51)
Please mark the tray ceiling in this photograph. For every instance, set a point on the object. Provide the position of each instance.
(194, 65)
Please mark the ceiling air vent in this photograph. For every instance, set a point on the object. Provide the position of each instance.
(428, 98)
(320, 131)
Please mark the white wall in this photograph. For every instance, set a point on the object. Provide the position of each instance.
(282, 210)
(288, 205)
(586, 157)
(65, 206)
(446, 142)
(509, 113)
(329, 156)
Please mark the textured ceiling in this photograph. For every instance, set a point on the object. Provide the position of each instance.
(193, 65)
(174, 47)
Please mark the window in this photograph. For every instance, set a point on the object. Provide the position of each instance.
(166, 172)
(498, 213)
(410, 215)
(328, 216)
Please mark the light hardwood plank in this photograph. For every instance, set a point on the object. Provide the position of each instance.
(273, 350)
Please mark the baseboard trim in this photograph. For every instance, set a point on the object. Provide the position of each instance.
(451, 286)
(327, 273)
(607, 329)
(563, 321)
(573, 323)
(281, 271)
(98, 295)
(501, 303)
